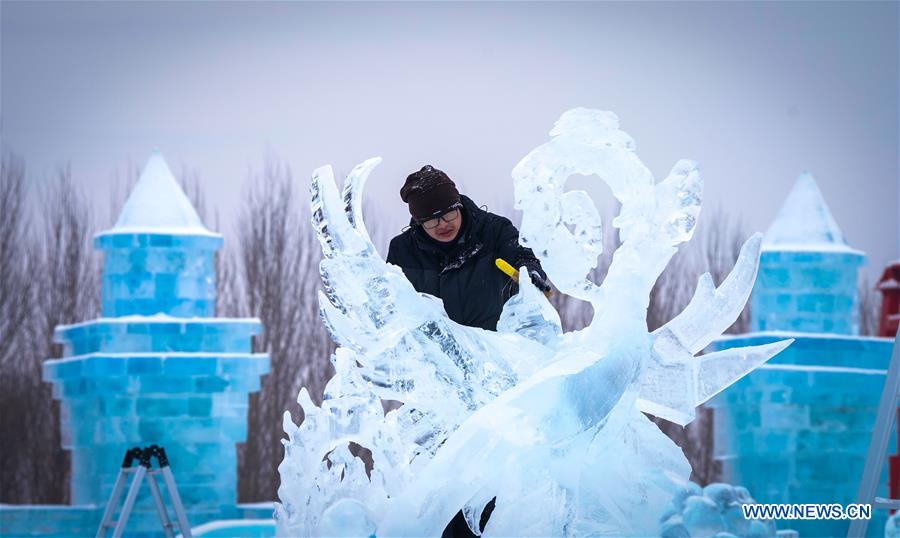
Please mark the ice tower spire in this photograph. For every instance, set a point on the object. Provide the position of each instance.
(804, 222)
(159, 258)
(158, 204)
(807, 271)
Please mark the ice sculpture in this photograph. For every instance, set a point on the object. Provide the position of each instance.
(549, 423)
(714, 510)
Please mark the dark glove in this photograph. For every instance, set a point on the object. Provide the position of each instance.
(538, 280)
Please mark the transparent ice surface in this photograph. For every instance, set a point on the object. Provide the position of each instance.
(528, 414)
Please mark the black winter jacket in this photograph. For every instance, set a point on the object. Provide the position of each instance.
(465, 276)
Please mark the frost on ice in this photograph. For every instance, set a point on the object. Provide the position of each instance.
(549, 423)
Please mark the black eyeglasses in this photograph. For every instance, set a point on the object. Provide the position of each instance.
(448, 215)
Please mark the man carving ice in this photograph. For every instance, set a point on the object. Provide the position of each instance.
(450, 251)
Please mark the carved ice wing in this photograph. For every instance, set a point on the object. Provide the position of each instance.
(721, 369)
(712, 310)
(674, 382)
(336, 232)
(351, 265)
(672, 389)
(399, 336)
(353, 188)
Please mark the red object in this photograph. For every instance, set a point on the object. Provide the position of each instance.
(894, 468)
(889, 286)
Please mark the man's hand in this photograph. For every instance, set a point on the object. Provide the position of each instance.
(538, 280)
(537, 276)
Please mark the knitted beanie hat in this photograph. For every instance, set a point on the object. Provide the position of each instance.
(428, 191)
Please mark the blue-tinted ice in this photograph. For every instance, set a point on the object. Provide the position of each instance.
(549, 423)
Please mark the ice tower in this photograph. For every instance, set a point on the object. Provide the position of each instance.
(157, 367)
(807, 272)
(158, 258)
(796, 430)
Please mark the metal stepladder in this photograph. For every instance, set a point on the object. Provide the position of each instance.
(143, 458)
(887, 408)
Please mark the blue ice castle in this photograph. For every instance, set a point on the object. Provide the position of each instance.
(157, 368)
(797, 429)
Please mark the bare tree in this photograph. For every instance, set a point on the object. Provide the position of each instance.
(71, 266)
(16, 313)
(68, 292)
(869, 308)
(275, 278)
(193, 188)
(123, 182)
(15, 259)
(63, 288)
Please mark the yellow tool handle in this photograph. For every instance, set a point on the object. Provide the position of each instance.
(504, 266)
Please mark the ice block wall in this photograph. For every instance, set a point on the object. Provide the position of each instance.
(807, 291)
(807, 280)
(152, 273)
(797, 429)
(157, 367)
(179, 383)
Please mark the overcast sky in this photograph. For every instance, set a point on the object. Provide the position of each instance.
(756, 92)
